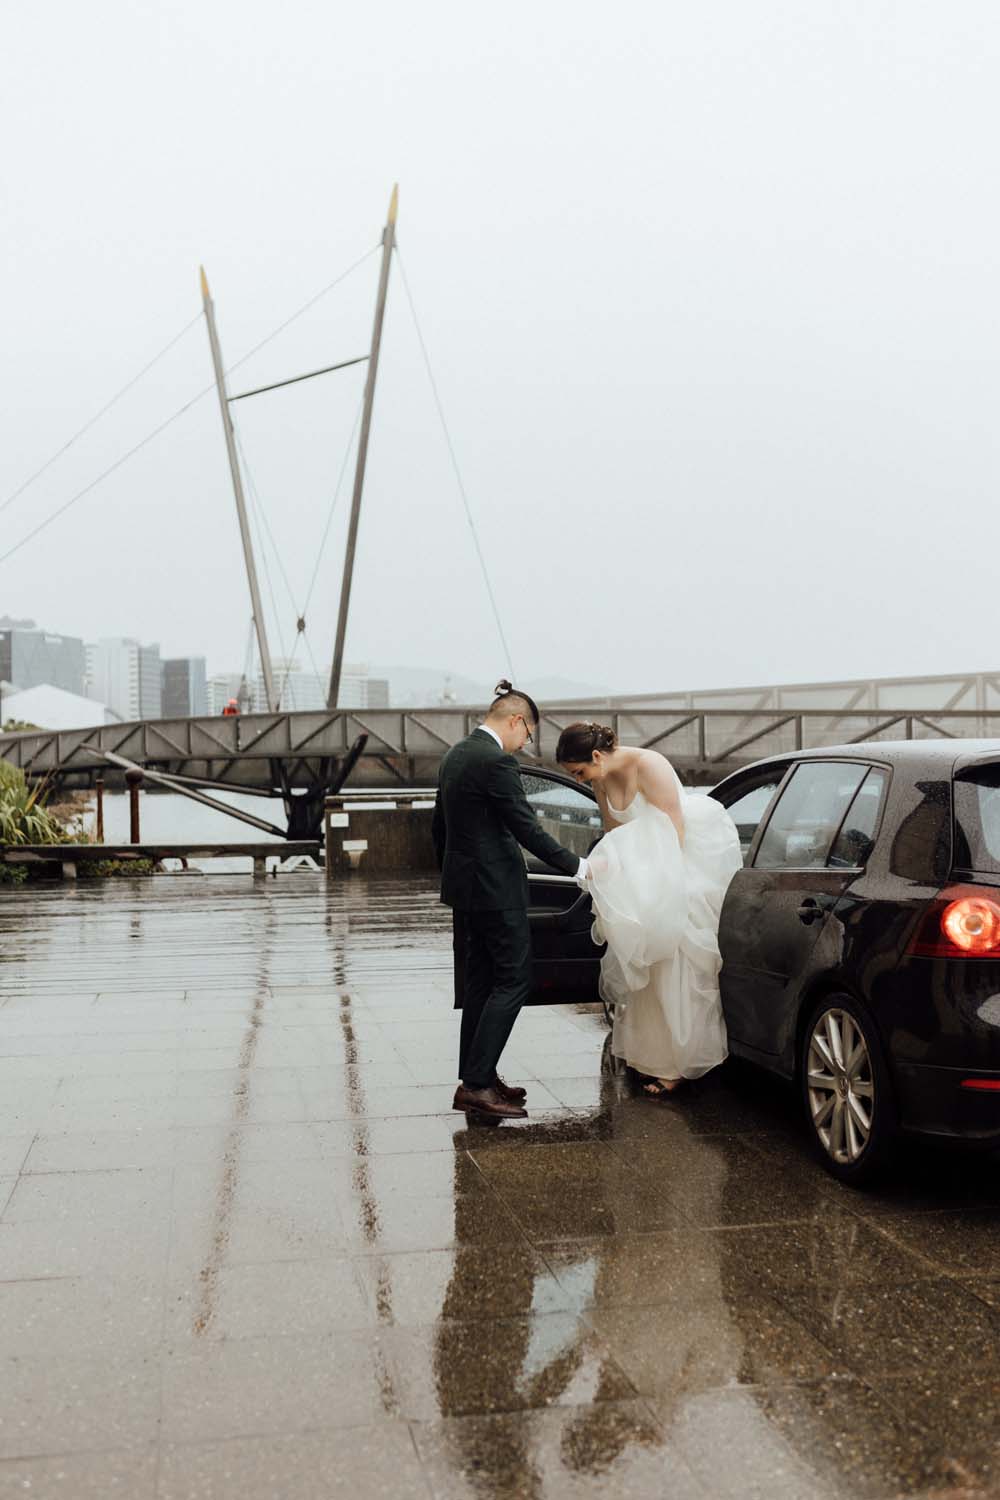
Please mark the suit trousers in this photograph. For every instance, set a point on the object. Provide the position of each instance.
(497, 983)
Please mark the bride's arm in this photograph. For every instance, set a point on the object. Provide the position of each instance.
(602, 802)
(659, 786)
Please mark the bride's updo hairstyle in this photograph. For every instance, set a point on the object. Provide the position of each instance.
(578, 742)
(510, 700)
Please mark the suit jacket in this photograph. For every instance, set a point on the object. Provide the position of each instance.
(481, 818)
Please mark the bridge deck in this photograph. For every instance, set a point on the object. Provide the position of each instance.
(248, 1251)
(405, 745)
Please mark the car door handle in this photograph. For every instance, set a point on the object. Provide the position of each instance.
(562, 918)
(810, 910)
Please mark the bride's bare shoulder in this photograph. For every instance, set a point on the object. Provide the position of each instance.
(652, 760)
(656, 774)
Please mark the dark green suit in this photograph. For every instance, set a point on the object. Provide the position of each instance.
(481, 820)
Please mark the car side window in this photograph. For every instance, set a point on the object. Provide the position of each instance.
(748, 809)
(808, 814)
(568, 814)
(856, 838)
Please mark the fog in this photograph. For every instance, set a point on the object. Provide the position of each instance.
(709, 295)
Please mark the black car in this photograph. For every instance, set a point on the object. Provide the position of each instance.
(860, 941)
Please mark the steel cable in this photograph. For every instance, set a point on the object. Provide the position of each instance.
(333, 506)
(98, 415)
(454, 463)
(255, 492)
(143, 442)
(255, 518)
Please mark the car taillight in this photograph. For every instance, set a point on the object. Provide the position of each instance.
(963, 922)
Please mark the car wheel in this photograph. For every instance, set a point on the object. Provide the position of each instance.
(845, 1086)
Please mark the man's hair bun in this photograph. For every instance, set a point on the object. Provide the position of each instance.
(510, 700)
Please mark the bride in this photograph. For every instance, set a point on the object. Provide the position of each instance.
(657, 881)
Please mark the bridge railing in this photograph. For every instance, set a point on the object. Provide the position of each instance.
(404, 744)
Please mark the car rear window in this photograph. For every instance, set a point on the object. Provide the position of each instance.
(977, 819)
(856, 839)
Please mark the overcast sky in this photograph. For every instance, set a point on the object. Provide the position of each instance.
(710, 293)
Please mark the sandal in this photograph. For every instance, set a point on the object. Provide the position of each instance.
(661, 1088)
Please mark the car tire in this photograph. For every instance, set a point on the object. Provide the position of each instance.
(846, 1090)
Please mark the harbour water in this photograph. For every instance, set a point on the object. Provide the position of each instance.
(172, 819)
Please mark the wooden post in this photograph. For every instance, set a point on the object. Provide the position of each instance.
(241, 509)
(99, 786)
(388, 241)
(133, 780)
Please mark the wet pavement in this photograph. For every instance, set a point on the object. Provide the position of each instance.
(246, 1248)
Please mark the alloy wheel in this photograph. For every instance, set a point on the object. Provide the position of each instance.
(840, 1084)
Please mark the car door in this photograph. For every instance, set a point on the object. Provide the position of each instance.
(747, 796)
(565, 960)
(781, 904)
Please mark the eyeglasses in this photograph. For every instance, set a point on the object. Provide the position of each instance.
(531, 738)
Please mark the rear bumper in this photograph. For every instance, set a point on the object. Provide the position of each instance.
(932, 1102)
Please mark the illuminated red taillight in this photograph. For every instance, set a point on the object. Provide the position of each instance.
(963, 922)
(984, 1085)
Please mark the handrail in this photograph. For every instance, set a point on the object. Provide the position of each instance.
(407, 742)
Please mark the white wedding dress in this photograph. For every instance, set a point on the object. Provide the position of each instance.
(657, 906)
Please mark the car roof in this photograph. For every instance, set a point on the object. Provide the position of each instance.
(943, 753)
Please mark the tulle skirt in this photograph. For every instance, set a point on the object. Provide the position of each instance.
(657, 906)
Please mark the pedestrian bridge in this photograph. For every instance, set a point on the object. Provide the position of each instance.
(263, 752)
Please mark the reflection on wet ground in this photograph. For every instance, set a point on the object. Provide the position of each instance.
(246, 1249)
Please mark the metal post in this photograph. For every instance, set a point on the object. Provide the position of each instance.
(99, 785)
(133, 780)
(241, 509)
(388, 240)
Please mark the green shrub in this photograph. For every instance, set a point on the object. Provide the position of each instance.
(24, 818)
(114, 868)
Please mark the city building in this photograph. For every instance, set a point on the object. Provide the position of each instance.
(297, 688)
(185, 687)
(359, 690)
(372, 692)
(30, 657)
(300, 689)
(225, 685)
(126, 676)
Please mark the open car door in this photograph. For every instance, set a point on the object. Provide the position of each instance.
(565, 961)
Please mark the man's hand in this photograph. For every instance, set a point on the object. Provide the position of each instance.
(594, 864)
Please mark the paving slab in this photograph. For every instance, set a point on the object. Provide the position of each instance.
(248, 1250)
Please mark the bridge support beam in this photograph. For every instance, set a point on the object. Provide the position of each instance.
(241, 509)
(388, 241)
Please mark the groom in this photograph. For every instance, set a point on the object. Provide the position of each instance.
(480, 818)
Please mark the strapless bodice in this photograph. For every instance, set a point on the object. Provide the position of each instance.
(629, 813)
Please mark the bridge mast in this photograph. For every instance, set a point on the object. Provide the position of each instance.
(388, 241)
(241, 509)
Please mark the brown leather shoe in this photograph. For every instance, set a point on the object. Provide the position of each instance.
(487, 1102)
(515, 1095)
